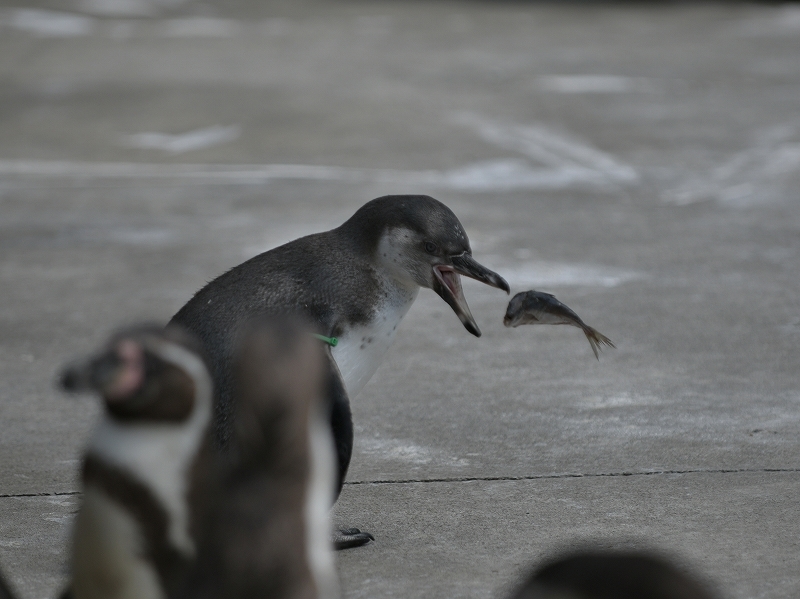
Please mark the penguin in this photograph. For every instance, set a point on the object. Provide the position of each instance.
(280, 482)
(601, 574)
(355, 284)
(134, 532)
(5, 589)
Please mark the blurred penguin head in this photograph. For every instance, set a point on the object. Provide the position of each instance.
(143, 373)
(596, 574)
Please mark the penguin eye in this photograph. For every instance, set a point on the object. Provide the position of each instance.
(430, 247)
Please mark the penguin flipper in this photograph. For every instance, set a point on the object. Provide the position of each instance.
(348, 538)
(341, 419)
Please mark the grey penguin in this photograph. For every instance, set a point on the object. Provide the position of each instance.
(280, 482)
(354, 284)
(134, 532)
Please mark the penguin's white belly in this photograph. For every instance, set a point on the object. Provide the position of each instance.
(109, 553)
(361, 349)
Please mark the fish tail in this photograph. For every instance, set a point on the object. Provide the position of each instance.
(593, 343)
(596, 339)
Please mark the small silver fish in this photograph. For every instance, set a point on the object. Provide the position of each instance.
(537, 307)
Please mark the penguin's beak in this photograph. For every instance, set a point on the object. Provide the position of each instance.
(115, 374)
(90, 375)
(465, 264)
(447, 283)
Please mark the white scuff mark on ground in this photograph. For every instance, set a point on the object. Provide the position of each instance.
(63, 501)
(182, 142)
(483, 176)
(48, 23)
(512, 174)
(593, 84)
(552, 161)
(58, 518)
(543, 274)
(408, 452)
(785, 21)
(624, 399)
(396, 450)
(567, 159)
(748, 178)
(200, 27)
(127, 8)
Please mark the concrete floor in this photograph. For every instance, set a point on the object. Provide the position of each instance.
(641, 162)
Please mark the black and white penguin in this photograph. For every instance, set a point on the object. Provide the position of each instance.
(355, 284)
(280, 483)
(133, 535)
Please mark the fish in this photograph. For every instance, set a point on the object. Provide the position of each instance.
(537, 307)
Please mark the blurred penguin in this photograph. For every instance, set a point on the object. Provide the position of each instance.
(5, 589)
(596, 574)
(133, 535)
(267, 532)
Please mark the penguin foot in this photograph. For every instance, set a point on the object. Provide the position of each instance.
(348, 538)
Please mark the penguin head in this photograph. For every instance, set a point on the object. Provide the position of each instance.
(420, 241)
(143, 373)
(601, 573)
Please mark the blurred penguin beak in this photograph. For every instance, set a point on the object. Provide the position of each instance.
(447, 283)
(99, 373)
(90, 375)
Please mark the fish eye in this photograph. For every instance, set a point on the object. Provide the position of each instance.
(430, 247)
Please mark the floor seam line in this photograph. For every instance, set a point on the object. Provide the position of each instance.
(42, 494)
(569, 475)
(465, 479)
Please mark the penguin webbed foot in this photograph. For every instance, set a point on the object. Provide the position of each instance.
(347, 538)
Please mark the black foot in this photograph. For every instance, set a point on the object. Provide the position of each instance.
(350, 537)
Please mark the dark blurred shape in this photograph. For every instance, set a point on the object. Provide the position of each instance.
(5, 590)
(265, 532)
(596, 574)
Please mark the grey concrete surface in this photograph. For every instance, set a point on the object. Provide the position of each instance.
(642, 162)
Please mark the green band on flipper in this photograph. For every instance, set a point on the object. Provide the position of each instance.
(332, 341)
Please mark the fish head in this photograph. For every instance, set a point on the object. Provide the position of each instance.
(521, 310)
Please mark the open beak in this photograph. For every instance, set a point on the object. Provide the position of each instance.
(447, 283)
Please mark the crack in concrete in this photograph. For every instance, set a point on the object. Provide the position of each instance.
(468, 479)
(42, 494)
(565, 475)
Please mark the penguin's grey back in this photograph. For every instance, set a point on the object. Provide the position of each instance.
(305, 277)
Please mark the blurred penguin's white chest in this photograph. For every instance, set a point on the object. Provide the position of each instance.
(361, 348)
